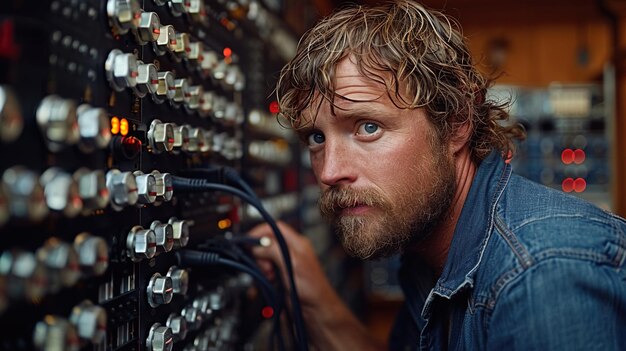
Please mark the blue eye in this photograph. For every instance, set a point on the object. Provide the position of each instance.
(316, 139)
(368, 128)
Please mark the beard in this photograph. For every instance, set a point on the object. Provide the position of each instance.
(398, 219)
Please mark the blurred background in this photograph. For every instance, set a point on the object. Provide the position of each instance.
(102, 102)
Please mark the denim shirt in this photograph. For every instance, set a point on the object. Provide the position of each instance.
(529, 268)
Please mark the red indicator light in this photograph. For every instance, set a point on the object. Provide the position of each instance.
(274, 107)
(567, 156)
(580, 185)
(267, 312)
(579, 156)
(227, 52)
(568, 185)
(131, 147)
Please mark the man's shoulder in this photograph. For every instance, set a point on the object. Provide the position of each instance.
(534, 224)
(534, 211)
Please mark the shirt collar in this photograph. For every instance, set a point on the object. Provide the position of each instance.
(474, 226)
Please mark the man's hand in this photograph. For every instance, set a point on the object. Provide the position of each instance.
(330, 323)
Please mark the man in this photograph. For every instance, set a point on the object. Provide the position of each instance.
(410, 158)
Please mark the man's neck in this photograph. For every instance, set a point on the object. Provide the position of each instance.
(434, 249)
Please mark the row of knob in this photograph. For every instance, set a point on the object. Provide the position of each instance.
(124, 70)
(57, 264)
(170, 137)
(146, 243)
(162, 337)
(24, 194)
(271, 151)
(87, 324)
(125, 15)
(138, 188)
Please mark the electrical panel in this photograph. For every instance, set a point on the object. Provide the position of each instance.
(102, 103)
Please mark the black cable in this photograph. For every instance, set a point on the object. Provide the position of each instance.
(188, 258)
(195, 184)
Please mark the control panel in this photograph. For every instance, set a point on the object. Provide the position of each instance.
(102, 104)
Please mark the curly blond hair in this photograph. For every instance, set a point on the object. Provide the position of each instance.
(424, 53)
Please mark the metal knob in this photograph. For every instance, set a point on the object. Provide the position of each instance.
(193, 317)
(57, 121)
(164, 236)
(209, 62)
(166, 88)
(177, 7)
(93, 128)
(91, 189)
(195, 96)
(26, 276)
(55, 333)
(161, 136)
(196, 10)
(146, 188)
(11, 120)
(180, 280)
(206, 105)
(194, 55)
(181, 232)
(159, 338)
(93, 254)
(164, 186)
(124, 14)
(181, 92)
(219, 106)
(160, 290)
(25, 193)
(181, 138)
(62, 262)
(149, 28)
(90, 321)
(182, 48)
(122, 189)
(121, 70)
(141, 243)
(147, 79)
(61, 192)
(178, 324)
(166, 42)
(196, 140)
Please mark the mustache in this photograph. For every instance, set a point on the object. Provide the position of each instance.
(334, 199)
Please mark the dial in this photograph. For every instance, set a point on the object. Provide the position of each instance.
(93, 128)
(57, 121)
(160, 290)
(121, 70)
(93, 254)
(122, 189)
(141, 243)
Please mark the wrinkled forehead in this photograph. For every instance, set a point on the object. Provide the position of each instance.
(352, 89)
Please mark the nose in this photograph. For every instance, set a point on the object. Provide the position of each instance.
(337, 165)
